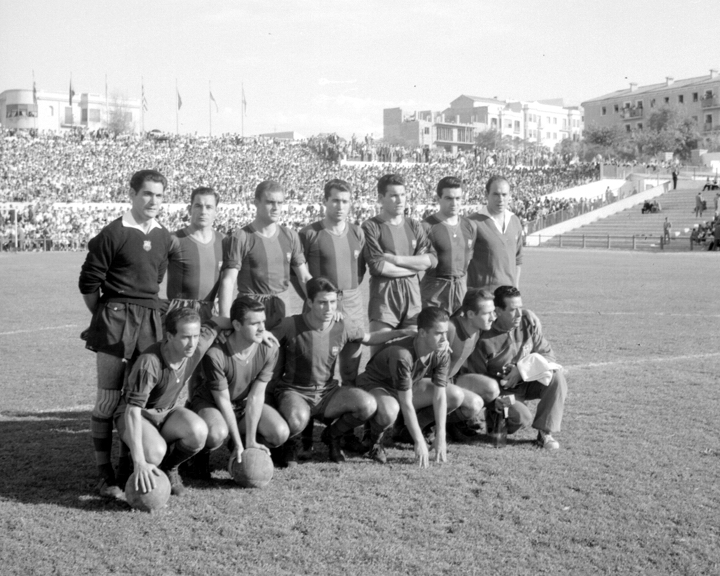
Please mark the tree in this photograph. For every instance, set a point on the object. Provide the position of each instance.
(119, 116)
(669, 129)
(488, 139)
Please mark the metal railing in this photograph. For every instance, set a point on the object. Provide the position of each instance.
(617, 242)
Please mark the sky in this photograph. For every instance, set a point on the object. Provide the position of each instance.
(334, 65)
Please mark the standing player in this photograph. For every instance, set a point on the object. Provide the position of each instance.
(453, 238)
(196, 257)
(120, 281)
(498, 249)
(236, 372)
(412, 375)
(333, 249)
(514, 335)
(309, 347)
(259, 256)
(396, 249)
(158, 431)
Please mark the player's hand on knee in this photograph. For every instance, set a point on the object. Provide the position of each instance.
(255, 444)
(145, 475)
(422, 456)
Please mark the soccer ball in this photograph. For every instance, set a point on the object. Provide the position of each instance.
(255, 470)
(153, 500)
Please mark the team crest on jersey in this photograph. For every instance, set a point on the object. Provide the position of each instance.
(335, 350)
(147, 246)
(356, 253)
(469, 243)
(288, 255)
(414, 243)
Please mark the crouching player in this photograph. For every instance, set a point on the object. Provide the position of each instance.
(412, 375)
(158, 430)
(231, 391)
(304, 386)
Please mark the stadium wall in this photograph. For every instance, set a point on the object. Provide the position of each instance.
(536, 238)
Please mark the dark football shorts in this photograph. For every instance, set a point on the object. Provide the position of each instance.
(445, 293)
(199, 403)
(124, 330)
(395, 302)
(318, 401)
(156, 417)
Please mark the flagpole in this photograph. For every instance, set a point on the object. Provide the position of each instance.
(142, 104)
(210, 107)
(177, 109)
(242, 110)
(35, 101)
(107, 106)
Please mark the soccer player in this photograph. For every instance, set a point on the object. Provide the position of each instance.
(120, 281)
(514, 335)
(396, 249)
(333, 249)
(231, 393)
(411, 376)
(453, 239)
(196, 257)
(309, 347)
(497, 256)
(158, 431)
(259, 256)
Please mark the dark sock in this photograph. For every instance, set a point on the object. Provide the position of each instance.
(101, 433)
(347, 422)
(455, 417)
(177, 454)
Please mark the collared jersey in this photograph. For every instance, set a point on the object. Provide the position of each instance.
(453, 245)
(398, 366)
(337, 257)
(194, 266)
(264, 263)
(308, 356)
(126, 264)
(224, 369)
(153, 384)
(496, 349)
(405, 239)
(497, 254)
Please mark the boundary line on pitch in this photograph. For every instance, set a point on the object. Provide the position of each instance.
(643, 360)
(597, 313)
(31, 330)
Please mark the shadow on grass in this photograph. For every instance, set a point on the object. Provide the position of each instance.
(47, 458)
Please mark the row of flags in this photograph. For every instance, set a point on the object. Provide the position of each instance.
(144, 103)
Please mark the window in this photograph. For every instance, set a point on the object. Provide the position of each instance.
(695, 96)
(21, 110)
(652, 103)
(639, 126)
(51, 111)
(603, 111)
(681, 99)
(548, 119)
(627, 127)
(708, 119)
(426, 131)
(565, 124)
(68, 115)
(493, 122)
(617, 109)
(708, 94)
(626, 105)
(639, 104)
(695, 118)
(83, 115)
(667, 99)
(547, 135)
(516, 126)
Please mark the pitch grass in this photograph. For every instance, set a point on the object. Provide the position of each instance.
(632, 491)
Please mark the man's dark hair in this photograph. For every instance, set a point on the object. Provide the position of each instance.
(389, 180)
(178, 316)
(317, 285)
(240, 308)
(335, 184)
(139, 178)
(430, 317)
(267, 186)
(503, 292)
(472, 300)
(448, 182)
(492, 180)
(204, 191)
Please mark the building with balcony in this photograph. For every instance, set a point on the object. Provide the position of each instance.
(52, 111)
(631, 107)
(542, 122)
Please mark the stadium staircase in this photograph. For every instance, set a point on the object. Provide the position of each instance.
(677, 205)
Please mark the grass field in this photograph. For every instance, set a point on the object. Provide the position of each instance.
(634, 489)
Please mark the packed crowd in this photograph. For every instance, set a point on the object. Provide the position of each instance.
(45, 170)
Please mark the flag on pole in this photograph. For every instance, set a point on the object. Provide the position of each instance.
(144, 100)
(72, 92)
(212, 99)
(179, 100)
(244, 102)
(34, 93)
